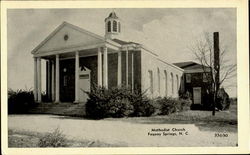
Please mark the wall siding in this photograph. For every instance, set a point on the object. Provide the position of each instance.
(150, 62)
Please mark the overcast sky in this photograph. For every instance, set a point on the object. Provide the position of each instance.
(169, 32)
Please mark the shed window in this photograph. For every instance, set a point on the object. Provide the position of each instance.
(109, 26)
(114, 26)
(205, 77)
(188, 78)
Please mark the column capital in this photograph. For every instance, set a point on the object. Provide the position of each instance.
(105, 47)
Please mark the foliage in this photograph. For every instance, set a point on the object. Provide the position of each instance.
(117, 102)
(54, 139)
(223, 101)
(171, 105)
(20, 101)
(143, 106)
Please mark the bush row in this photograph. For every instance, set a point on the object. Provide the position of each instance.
(172, 105)
(121, 102)
(20, 101)
(117, 102)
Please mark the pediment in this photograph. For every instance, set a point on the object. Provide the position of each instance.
(67, 36)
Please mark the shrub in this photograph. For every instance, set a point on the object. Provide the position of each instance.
(20, 101)
(117, 102)
(171, 105)
(143, 106)
(54, 139)
(104, 102)
(222, 101)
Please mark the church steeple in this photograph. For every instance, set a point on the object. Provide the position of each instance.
(112, 26)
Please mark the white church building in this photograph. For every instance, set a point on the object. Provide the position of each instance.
(78, 60)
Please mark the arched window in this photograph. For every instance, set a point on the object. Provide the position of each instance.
(177, 83)
(119, 27)
(114, 26)
(109, 26)
(172, 83)
(166, 82)
(159, 80)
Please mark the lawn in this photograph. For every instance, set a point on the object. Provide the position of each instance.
(111, 131)
(22, 139)
(223, 121)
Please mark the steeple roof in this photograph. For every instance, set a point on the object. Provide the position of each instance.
(112, 15)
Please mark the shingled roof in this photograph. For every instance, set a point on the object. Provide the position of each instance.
(121, 42)
(188, 65)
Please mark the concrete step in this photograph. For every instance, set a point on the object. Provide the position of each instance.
(67, 109)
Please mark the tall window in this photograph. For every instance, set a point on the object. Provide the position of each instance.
(114, 26)
(151, 88)
(172, 83)
(177, 83)
(166, 82)
(109, 26)
(159, 80)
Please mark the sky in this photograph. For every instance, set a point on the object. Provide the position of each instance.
(169, 32)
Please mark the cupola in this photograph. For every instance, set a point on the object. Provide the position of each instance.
(112, 26)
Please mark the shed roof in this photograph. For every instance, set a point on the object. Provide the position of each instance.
(190, 65)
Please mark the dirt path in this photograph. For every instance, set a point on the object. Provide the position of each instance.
(120, 132)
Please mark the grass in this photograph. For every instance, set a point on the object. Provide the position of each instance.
(223, 121)
(22, 139)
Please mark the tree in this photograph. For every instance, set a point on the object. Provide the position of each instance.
(221, 69)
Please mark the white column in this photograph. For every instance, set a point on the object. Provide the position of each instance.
(49, 79)
(77, 77)
(57, 79)
(99, 67)
(53, 80)
(127, 67)
(119, 69)
(132, 71)
(35, 79)
(39, 82)
(105, 67)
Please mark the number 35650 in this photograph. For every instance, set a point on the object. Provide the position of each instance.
(220, 135)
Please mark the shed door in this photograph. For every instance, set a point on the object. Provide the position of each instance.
(197, 95)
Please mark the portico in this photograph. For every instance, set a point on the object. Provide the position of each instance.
(53, 70)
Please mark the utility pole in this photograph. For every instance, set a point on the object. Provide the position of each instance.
(216, 68)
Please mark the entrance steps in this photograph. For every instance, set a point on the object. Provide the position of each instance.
(65, 108)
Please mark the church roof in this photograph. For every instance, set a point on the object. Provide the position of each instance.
(67, 36)
(122, 42)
